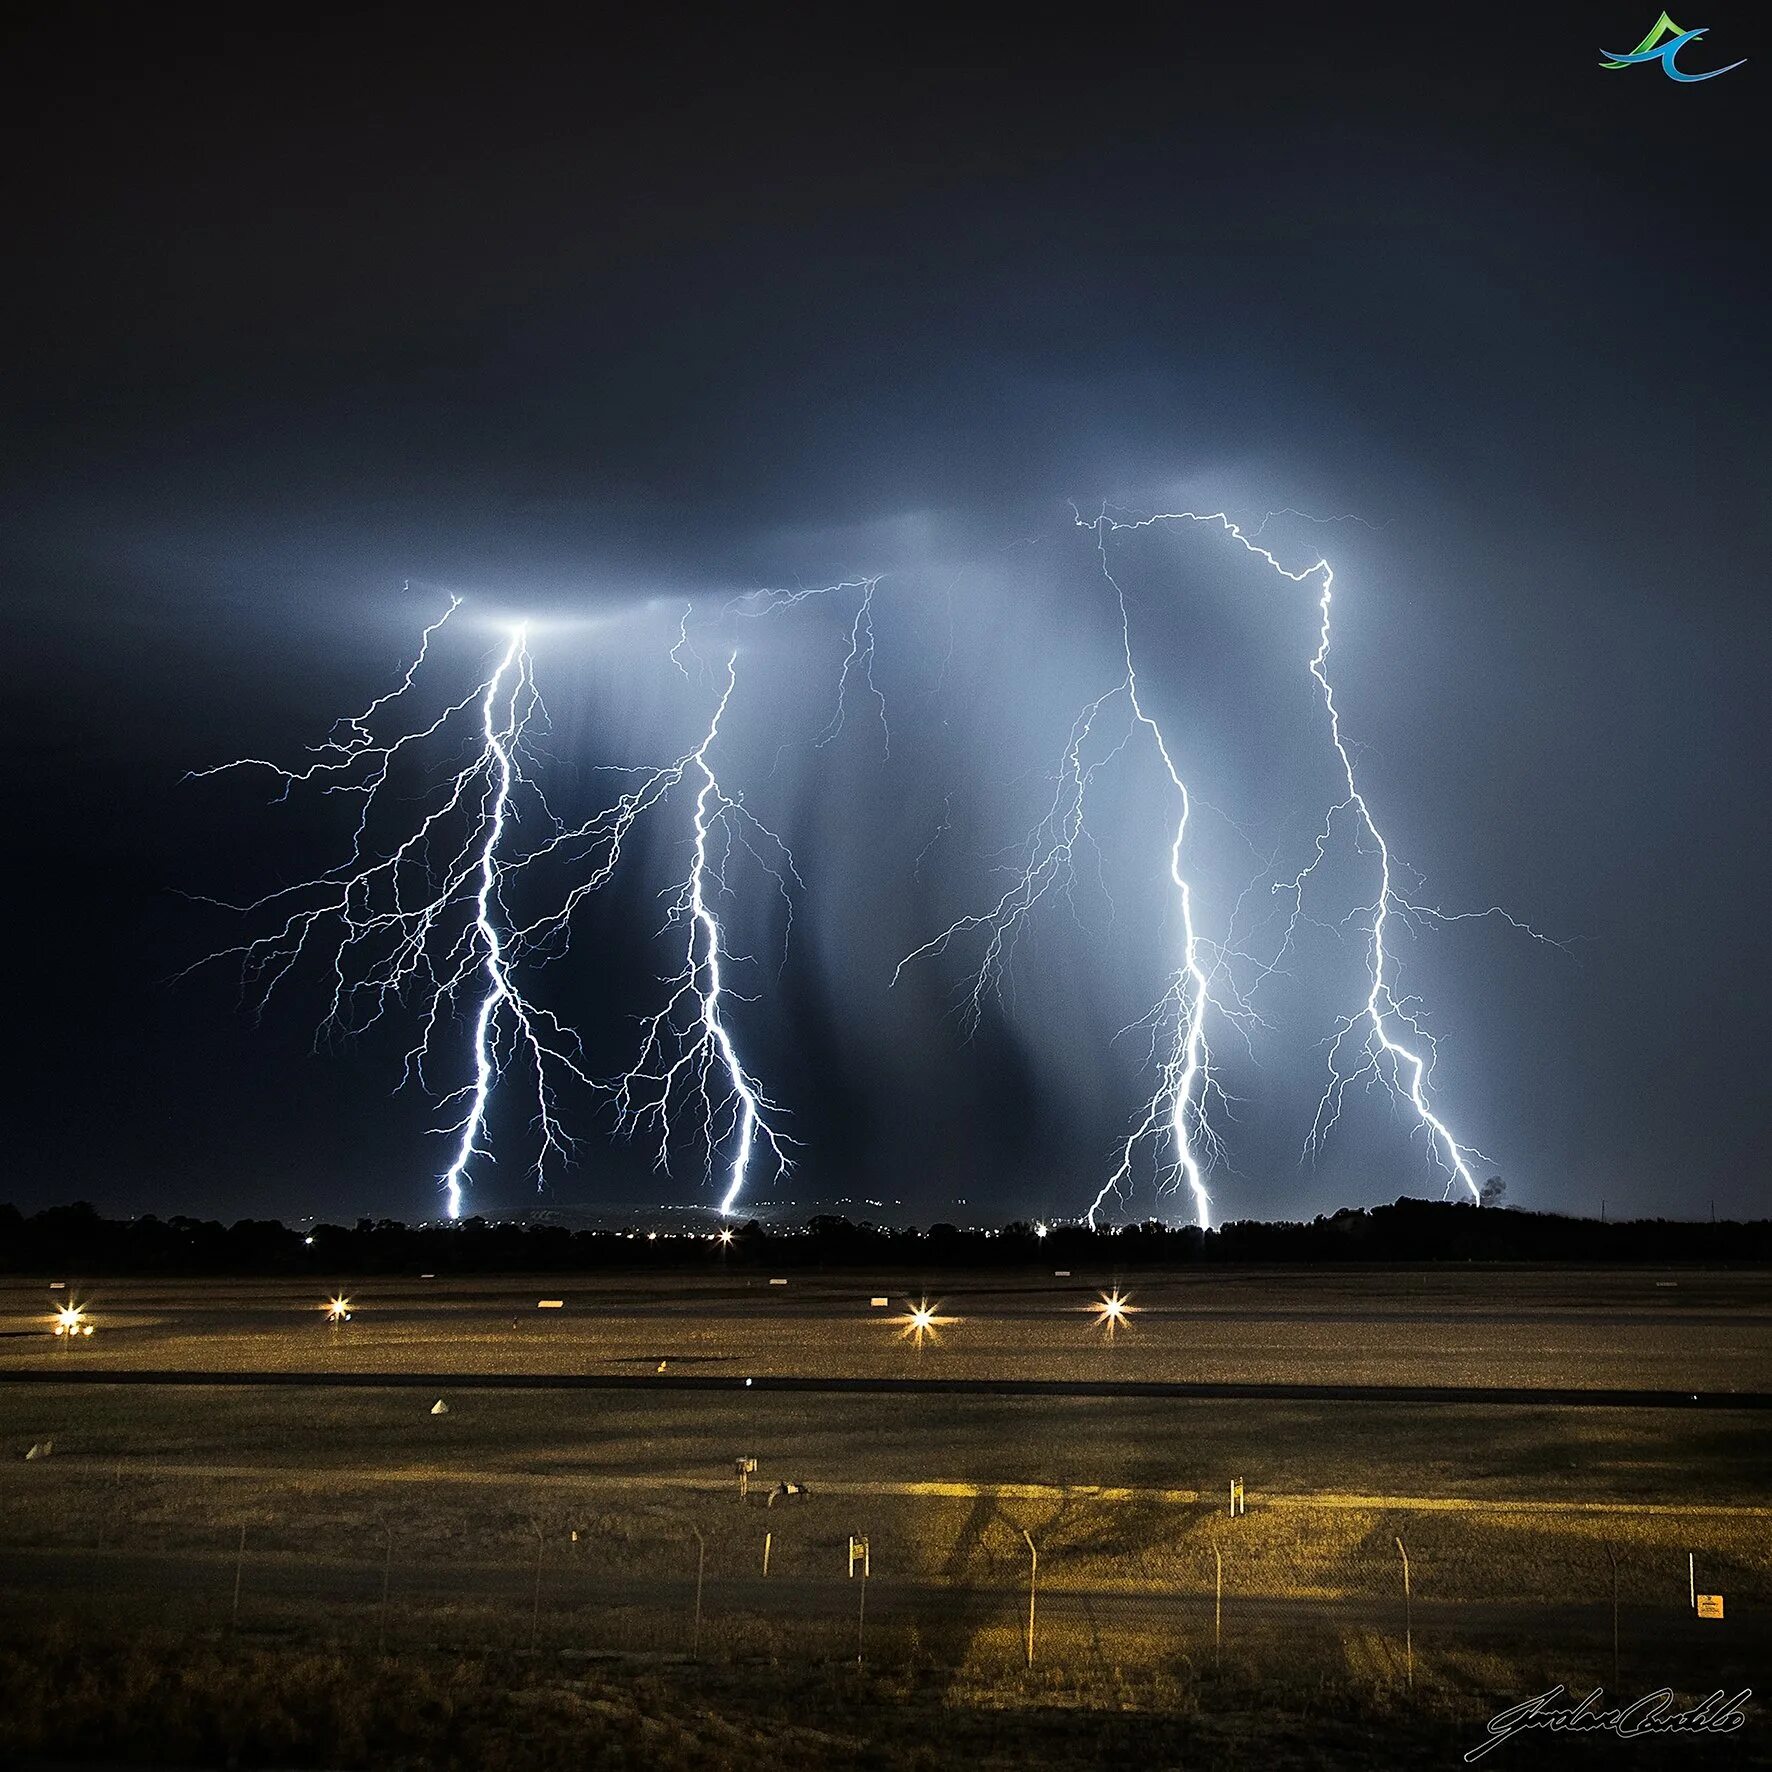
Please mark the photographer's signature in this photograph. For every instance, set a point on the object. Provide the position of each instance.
(1655, 1714)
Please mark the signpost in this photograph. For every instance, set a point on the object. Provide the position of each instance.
(858, 1553)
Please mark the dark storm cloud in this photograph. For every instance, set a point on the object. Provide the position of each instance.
(584, 329)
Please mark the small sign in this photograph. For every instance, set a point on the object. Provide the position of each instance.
(1061, 1273)
(1710, 1605)
(879, 1303)
(550, 1304)
(778, 1282)
(58, 1285)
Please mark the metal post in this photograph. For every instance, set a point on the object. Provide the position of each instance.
(1408, 1620)
(1217, 1601)
(768, 1539)
(387, 1578)
(535, 1607)
(1691, 1582)
(239, 1570)
(701, 1559)
(861, 1612)
(1033, 1583)
(1612, 1557)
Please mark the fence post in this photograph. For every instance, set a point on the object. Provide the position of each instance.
(1033, 1582)
(239, 1570)
(1408, 1619)
(1217, 1602)
(768, 1539)
(701, 1560)
(1612, 1558)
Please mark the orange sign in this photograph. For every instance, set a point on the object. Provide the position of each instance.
(1710, 1605)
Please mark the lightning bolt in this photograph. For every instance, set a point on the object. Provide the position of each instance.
(1186, 1085)
(425, 921)
(688, 1064)
(858, 659)
(1384, 1040)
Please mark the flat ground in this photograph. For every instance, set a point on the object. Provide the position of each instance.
(324, 1518)
(1541, 1328)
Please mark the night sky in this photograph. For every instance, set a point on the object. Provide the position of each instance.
(314, 324)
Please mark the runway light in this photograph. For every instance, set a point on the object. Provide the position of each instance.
(338, 1310)
(922, 1319)
(1112, 1311)
(70, 1320)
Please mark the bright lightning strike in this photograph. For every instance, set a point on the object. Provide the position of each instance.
(418, 915)
(688, 1065)
(1177, 1109)
(1384, 1040)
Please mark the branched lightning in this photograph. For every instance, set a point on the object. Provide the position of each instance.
(859, 659)
(1186, 1086)
(458, 878)
(425, 921)
(688, 1066)
(1384, 1040)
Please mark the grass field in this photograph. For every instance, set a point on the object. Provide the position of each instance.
(272, 1527)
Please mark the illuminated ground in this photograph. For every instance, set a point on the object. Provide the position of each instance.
(1533, 1328)
(315, 1515)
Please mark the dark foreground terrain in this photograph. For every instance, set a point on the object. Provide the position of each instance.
(253, 1560)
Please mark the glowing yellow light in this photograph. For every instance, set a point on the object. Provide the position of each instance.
(1112, 1311)
(338, 1310)
(70, 1319)
(922, 1319)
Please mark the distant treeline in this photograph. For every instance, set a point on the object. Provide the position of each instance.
(75, 1240)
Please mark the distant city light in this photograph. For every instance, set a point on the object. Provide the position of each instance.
(1040, 1230)
(726, 1236)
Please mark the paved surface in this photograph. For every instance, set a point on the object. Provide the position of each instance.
(1556, 1397)
(1440, 1331)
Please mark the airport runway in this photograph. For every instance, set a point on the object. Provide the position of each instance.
(1432, 1395)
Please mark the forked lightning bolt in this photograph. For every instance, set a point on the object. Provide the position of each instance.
(688, 1066)
(1384, 1040)
(422, 920)
(1177, 1109)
